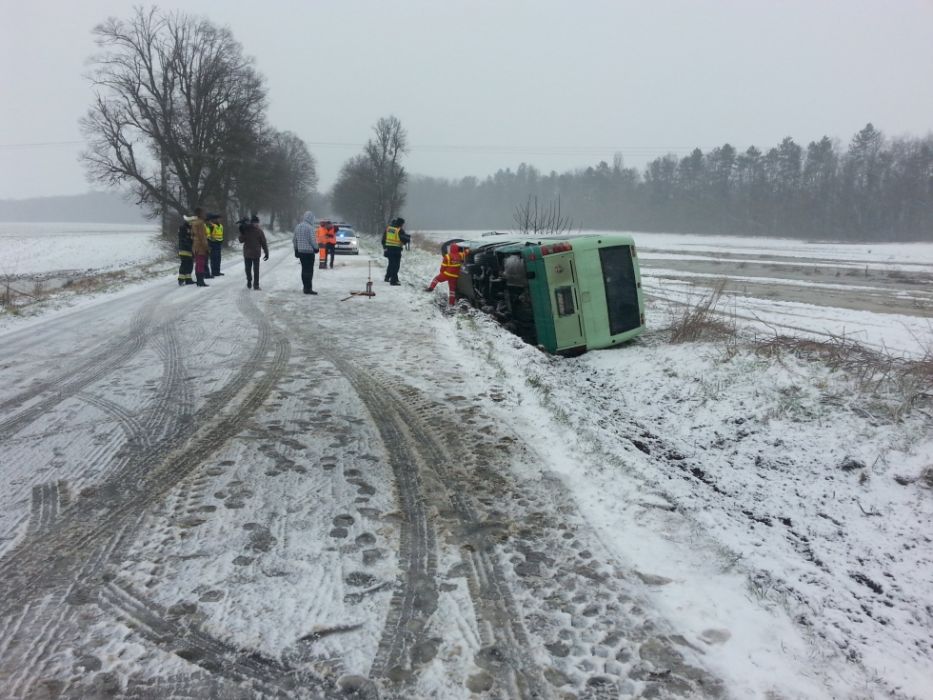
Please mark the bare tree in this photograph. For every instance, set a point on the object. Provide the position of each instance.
(385, 153)
(176, 106)
(279, 176)
(534, 220)
(371, 187)
(355, 195)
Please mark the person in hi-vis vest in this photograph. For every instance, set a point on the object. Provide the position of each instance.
(328, 244)
(215, 239)
(321, 236)
(394, 238)
(450, 272)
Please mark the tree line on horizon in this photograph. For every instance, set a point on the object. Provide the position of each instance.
(874, 189)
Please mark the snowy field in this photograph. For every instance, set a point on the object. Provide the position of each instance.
(654, 520)
(42, 249)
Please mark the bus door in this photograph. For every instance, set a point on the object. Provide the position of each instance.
(565, 300)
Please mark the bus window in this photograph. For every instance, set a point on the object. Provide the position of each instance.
(621, 288)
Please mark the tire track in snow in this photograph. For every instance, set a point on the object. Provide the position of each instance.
(415, 597)
(136, 435)
(414, 447)
(51, 560)
(93, 518)
(69, 383)
(51, 625)
(168, 630)
(48, 500)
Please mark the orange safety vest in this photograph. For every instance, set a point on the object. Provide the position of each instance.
(321, 235)
(330, 235)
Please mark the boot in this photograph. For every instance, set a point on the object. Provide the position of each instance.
(200, 276)
(322, 266)
(189, 281)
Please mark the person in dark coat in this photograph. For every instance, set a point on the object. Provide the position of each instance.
(394, 238)
(185, 256)
(254, 242)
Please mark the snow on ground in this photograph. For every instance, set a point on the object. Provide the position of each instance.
(680, 245)
(765, 514)
(31, 248)
(778, 502)
(897, 333)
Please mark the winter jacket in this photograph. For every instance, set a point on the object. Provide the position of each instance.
(303, 238)
(199, 237)
(184, 238)
(394, 237)
(254, 242)
(450, 265)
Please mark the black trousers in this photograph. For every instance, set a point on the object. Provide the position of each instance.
(307, 269)
(185, 266)
(216, 247)
(394, 256)
(331, 247)
(252, 271)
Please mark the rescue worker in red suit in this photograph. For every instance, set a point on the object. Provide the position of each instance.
(450, 272)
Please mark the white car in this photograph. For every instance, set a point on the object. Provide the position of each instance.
(347, 241)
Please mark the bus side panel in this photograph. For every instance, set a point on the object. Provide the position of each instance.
(566, 314)
(540, 300)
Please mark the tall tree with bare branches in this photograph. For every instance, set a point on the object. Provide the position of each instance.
(371, 187)
(176, 106)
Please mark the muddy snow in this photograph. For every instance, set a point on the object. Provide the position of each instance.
(233, 493)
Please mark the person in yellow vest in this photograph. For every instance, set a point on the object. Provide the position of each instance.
(321, 235)
(394, 238)
(215, 239)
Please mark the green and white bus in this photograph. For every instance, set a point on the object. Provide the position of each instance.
(565, 294)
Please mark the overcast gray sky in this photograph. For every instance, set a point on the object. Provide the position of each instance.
(487, 84)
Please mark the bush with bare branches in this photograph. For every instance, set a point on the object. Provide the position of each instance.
(901, 384)
(701, 319)
(532, 219)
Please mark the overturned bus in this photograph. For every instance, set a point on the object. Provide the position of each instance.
(566, 294)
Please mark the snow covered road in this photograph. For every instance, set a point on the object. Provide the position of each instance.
(227, 492)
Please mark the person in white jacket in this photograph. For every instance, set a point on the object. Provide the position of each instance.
(306, 250)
